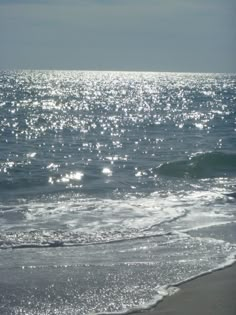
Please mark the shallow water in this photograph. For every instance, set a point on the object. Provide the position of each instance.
(119, 179)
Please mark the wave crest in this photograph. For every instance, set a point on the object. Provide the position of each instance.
(201, 165)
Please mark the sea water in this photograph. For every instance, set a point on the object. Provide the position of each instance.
(113, 187)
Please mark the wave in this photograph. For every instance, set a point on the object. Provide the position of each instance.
(201, 165)
(40, 239)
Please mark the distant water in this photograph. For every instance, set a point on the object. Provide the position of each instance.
(119, 181)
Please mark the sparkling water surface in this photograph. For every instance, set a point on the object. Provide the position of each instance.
(113, 185)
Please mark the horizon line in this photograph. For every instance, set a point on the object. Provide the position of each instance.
(115, 71)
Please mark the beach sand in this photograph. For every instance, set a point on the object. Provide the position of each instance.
(212, 294)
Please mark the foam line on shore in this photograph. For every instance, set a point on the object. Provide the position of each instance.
(167, 291)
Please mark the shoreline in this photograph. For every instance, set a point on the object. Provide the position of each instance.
(212, 293)
(208, 293)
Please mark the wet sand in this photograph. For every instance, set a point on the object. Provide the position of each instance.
(212, 294)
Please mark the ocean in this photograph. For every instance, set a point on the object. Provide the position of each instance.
(114, 187)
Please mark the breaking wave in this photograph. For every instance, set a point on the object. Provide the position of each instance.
(201, 165)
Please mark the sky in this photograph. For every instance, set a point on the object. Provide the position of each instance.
(128, 35)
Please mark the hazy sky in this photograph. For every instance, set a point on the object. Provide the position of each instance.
(151, 35)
